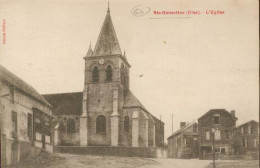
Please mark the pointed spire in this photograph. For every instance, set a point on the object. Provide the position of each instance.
(108, 10)
(107, 43)
(90, 51)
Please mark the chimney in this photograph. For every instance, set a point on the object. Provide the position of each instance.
(233, 113)
(182, 124)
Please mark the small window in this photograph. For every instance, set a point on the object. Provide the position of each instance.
(109, 73)
(38, 136)
(249, 129)
(207, 135)
(217, 149)
(37, 120)
(217, 135)
(244, 142)
(223, 150)
(47, 139)
(255, 142)
(195, 128)
(29, 125)
(227, 133)
(122, 66)
(126, 123)
(95, 74)
(12, 93)
(14, 121)
(185, 142)
(242, 130)
(101, 124)
(216, 119)
(71, 126)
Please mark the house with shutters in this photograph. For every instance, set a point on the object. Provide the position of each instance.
(245, 138)
(25, 118)
(184, 142)
(221, 123)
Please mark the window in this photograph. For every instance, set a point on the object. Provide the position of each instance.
(37, 120)
(255, 142)
(12, 93)
(249, 129)
(38, 136)
(71, 126)
(223, 150)
(195, 128)
(122, 66)
(47, 139)
(126, 123)
(29, 125)
(244, 142)
(242, 130)
(207, 135)
(217, 149)
(217, 135)
(185, 142)
(109, 73)
(216, 119)
(95, 74)
(101, 124)
(14, 121)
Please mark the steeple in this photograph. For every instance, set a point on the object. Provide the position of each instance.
(107, 43)
(90, 51)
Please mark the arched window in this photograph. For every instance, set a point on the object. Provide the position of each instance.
(62, 128)
(195, 128)
(95, 74)
(109, 73)
(101, 124)
(71, 126)
(126, 123)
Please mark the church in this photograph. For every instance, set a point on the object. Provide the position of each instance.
(106, 113)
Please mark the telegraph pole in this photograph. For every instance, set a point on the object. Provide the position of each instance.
(172, 123)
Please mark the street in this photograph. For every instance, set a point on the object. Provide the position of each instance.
(88, 161)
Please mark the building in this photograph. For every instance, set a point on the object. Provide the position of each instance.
(245, 138)
(25, 119)
(221, 123)
(184, 142)
(106, 113)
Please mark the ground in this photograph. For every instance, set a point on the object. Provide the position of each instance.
(87, 161)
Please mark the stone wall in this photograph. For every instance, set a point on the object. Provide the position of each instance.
(148, 152)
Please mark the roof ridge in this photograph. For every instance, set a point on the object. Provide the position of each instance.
(59, 93)
(182, 129)
(7, 76)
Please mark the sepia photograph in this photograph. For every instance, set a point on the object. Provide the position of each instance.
(127, 84)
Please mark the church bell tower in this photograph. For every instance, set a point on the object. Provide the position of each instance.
(106, 79)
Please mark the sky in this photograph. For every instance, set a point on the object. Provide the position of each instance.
(189, 63)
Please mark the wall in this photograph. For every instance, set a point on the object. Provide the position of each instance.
(22, 105)
(227, 123)
(237, 139)
(151, 152)
(100, 98)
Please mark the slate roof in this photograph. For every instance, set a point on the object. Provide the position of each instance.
(217, 111)
(246, 123)
(14, 80)
(107, 43)
(65, 103)
(182, 129)
(131, 101)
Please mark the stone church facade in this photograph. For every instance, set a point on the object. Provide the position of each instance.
(106, 113)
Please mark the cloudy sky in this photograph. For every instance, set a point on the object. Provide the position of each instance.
(189, 63)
